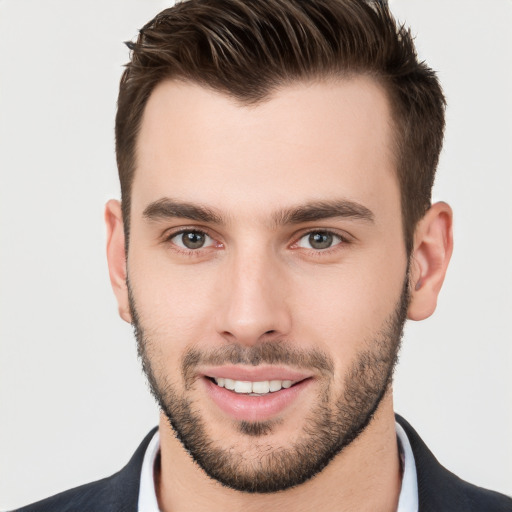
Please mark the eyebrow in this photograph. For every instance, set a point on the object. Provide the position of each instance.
(167, 208)
(319, 210)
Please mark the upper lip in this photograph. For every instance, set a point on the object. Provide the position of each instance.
(255, 373)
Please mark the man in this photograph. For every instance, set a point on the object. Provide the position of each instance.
(276, 229)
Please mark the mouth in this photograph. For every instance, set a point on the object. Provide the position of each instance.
(255, 395)
(258, 388)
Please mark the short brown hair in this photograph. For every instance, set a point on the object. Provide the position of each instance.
(248, 48)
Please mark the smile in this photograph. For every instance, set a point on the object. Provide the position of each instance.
(255, 395)
(258, 388)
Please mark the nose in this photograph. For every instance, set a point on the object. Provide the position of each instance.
(253, 306)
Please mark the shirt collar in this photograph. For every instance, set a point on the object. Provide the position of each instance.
(407, 501)
(147, 492)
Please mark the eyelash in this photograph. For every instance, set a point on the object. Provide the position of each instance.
(187, 251)
(343, 240)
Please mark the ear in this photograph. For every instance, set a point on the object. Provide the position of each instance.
(433, 246)
(116, 257)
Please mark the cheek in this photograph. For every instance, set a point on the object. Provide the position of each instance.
(344, 309)
(174, 303)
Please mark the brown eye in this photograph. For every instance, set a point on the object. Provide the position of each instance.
(319, 240)
(192, 240)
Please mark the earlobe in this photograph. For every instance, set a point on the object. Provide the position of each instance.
(116, 257)
(433, 246)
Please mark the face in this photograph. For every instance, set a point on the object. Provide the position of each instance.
(267, 273)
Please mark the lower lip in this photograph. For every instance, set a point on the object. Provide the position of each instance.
(254, 408)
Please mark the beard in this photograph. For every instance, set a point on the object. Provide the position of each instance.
(330, 426)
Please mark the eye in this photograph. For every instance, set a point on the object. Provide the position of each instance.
(319, 240)
(191, 239)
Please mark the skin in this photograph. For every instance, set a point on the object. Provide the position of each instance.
(258, 280)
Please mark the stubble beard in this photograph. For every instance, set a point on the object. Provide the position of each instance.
(330, 426)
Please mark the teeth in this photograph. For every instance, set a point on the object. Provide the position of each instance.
(253, 388)
(275, 385)
(261, 387)
(228, 384)
(243, 387)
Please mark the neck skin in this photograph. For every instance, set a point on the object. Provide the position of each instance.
(364, 477)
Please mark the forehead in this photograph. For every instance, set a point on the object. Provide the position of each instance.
(306, 142)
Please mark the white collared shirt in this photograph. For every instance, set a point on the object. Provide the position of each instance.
(407, 502)
(408, 499)
(147, 492)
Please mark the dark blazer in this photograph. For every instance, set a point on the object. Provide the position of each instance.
(438, 489)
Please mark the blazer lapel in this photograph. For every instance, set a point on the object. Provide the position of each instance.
(125, 484)
(438, 488)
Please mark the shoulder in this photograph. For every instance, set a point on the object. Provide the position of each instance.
(439, 489)
(93, 496)
(116, 493)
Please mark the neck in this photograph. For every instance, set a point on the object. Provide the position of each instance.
(365, 476)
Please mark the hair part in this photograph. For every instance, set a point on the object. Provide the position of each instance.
(246, 49)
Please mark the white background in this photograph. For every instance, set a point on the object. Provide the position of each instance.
(73, 402)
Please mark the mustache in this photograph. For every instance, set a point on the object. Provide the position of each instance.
(269, 352)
